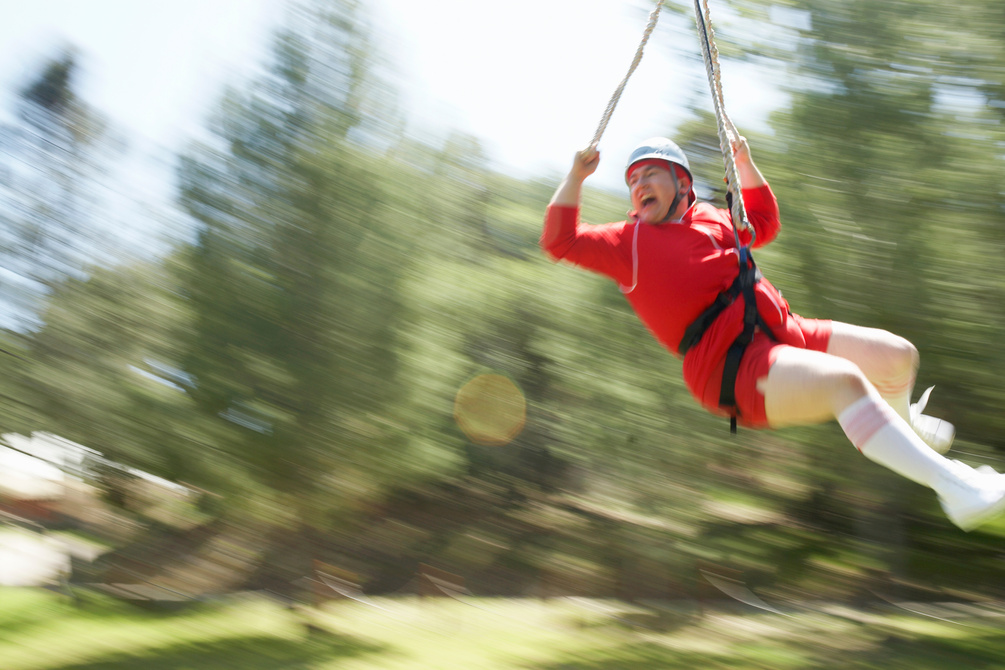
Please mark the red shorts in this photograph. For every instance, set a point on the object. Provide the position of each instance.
(757, 360)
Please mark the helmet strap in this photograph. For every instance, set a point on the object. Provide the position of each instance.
(676, 194)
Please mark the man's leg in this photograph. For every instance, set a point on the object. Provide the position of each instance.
(890, 363)
(804, 387)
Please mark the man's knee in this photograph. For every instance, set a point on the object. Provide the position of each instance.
(900, 358)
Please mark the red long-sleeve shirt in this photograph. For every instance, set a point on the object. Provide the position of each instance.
(671, 272)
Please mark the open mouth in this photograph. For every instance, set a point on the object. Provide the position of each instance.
(648, 200)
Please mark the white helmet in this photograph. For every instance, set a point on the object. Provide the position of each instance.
(660, 148)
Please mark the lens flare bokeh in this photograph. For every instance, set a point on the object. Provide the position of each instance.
(490, 409)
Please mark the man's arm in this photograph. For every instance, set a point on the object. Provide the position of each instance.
(762, 208)
(598, 248)
(568, 195)
(750, 176)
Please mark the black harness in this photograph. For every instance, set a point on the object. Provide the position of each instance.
(742, 287)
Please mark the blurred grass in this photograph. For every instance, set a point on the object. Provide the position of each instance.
(39, 630)
(42, 630)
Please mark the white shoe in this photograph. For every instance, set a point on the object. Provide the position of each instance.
(936, 433)
(972, 497)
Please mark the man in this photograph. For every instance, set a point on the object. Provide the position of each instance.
(674, 257)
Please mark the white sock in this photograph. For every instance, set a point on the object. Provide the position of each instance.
(885, 438)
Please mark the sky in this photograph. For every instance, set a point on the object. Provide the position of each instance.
(151, 66)
(529, 78)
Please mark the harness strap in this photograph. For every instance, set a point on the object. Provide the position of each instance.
(694, 332)
(742, 287)
(727, 392)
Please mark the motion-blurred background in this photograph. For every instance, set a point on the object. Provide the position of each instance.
(304, 320)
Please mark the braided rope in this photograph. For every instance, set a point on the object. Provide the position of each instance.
(653, 18)
(725, 127)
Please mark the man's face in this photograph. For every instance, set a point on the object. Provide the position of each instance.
(652, 190)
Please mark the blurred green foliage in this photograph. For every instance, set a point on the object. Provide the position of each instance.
(300, 356)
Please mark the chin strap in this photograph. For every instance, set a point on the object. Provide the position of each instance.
(677, 194)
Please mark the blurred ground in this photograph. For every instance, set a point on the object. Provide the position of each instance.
(43, 631)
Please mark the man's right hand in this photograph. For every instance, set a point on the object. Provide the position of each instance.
(585, 163)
